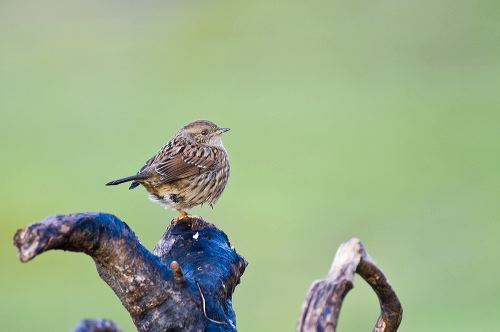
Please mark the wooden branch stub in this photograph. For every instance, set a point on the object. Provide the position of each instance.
(321, 307)
(176, 268)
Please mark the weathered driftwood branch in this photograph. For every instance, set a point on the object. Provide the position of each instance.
(321, 308)
(186, 284)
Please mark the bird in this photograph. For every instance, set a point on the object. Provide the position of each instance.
(191, 169)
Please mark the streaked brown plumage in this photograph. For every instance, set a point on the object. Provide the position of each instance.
(191, 169)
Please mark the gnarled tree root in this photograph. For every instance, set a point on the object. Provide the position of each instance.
(321, 307)
(185, 284)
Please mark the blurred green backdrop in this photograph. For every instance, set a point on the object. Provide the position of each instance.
(375, 119)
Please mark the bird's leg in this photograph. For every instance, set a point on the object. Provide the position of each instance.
(184, 214)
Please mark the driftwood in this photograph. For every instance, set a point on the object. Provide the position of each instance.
(321, 307)
(187, 282)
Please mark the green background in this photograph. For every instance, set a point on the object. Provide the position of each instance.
(375, 119)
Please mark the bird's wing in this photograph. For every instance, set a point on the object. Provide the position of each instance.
(184, 164)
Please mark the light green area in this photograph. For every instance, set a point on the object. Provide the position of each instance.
(375, 119)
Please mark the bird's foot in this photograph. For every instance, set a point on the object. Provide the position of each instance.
(184, 214)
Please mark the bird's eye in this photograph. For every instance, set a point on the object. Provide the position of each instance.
(204, 132)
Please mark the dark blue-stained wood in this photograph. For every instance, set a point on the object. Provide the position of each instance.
(186, 284)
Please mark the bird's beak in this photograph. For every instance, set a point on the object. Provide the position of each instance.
(222, 130)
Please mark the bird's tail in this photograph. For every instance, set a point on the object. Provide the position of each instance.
(126, 179)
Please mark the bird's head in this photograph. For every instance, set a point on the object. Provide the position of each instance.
(204, 132)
